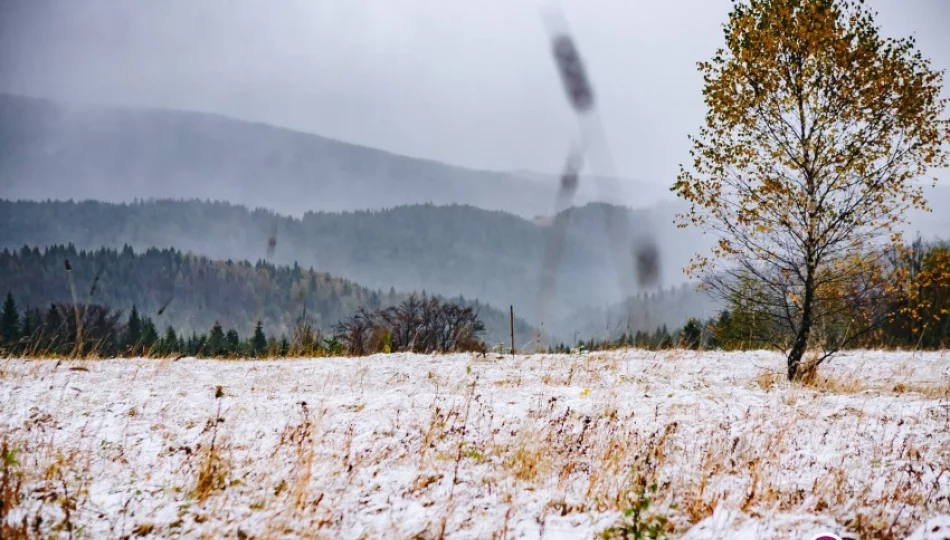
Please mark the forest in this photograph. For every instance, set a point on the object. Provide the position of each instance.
(418, 324)
(446, 250)
(912, 313)
(195, 306)
(191, 293)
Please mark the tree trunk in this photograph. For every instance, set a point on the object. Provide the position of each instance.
(800, 344)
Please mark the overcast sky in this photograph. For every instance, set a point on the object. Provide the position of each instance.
(466, 82)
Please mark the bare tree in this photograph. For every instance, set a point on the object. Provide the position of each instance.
(419, 324)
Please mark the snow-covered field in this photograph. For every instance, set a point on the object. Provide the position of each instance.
(705, 445)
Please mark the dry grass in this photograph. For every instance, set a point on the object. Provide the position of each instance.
(622, 444)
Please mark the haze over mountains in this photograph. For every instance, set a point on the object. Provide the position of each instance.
(478, 237)
(58, 151)
(449, 250)
(51, 150)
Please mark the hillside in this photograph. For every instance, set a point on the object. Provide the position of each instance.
(452, 250)
(50, 150)
(197, 291)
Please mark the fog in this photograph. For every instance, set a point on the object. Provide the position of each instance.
(470, 88)
(467, 83)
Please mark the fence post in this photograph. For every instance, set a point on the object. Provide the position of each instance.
(512, 320)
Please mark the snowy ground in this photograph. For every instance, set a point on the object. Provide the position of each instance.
(708, 445)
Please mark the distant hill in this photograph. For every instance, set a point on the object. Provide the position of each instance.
(450, 250)
(196, 291)
(50, 150)
(624, 191)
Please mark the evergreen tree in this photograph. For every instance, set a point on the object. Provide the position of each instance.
(52, 330)
(133, 333)
(169, 344)
(232, 343)
(32, 321)
(259, 341)
(149, 334)
(692, 335)
(284, 348)
(215, 345)
(9, 324)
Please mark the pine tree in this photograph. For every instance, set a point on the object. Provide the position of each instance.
(133, 333)
(391, 298)
(232, 343)
(259, 341)
(169, 343)
(149, 334)
(692, 335)
(30, 328)
(215, 345)
(52, 330)
(9, 327)
(9, 324)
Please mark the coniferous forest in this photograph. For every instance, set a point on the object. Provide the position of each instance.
(64, 301)
(167, 289)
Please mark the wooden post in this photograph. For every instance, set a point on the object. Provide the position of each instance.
(512, 320)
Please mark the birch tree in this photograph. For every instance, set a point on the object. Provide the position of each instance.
(817, 140)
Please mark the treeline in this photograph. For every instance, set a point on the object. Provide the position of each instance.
(913, 314)
(446, 250)
(191, 293)
(645, 314)
(908, 308)
(419, 324)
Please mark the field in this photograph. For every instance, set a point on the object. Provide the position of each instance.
(693, 445)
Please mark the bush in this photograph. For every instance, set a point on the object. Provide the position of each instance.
(420, 324)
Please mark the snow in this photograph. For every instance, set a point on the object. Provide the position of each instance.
(552, 446)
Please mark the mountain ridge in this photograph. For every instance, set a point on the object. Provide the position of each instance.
(448, 250)
(118, 154)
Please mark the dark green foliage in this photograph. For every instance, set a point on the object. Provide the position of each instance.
(169, 344)
(638, 522)
(132, 342)
(74, 330)
(51, 331)
(190, 293)
(215, 346)
(259, 341)
(32, 325)
(446, 250)
(426, 324)
(691, 336)
(9, 324)
(232, 343)
(149, 334)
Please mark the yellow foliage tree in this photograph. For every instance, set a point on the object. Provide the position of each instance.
(817, 132)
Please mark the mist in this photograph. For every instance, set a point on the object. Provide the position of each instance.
(368, 105)
(466, 83)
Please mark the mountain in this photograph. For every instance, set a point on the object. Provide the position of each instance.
(449, 250)
(592, 188)
(51, 150)
(191, 293)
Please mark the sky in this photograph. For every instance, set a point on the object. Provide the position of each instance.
(466, 82)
